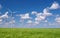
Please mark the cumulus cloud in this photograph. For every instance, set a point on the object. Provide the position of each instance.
(0, 20)
(12, 22)
(42, 16)
(5, 15)
(46, 21)
(34, 12)
(36, 22)
(5, 19)
(57, 19)
(46, 12)
(55, 5)
(39, 18)
(29, 21)
(25, 16)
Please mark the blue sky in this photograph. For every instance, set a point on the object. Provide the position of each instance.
(30, 13)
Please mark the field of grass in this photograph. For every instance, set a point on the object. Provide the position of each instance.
(29, 33)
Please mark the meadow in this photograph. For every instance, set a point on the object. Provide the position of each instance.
(29, 32)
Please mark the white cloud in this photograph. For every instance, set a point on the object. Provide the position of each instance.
(12, 22)
(55, 24)
(4, 16)
(0, 20)
(46, 21)
(29, 21)
(36, 22)
(46, 12)
(34, 12)
(38, 14)
(39, 18)
(42, 16)
(55, 5)
(57, 19)
(25, 16)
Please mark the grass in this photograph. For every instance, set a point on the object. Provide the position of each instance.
(29, 32)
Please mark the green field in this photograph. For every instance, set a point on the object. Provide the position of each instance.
(29, 32)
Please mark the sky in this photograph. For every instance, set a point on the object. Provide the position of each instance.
(29, 13)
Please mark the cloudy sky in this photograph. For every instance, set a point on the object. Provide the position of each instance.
(30, 13)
